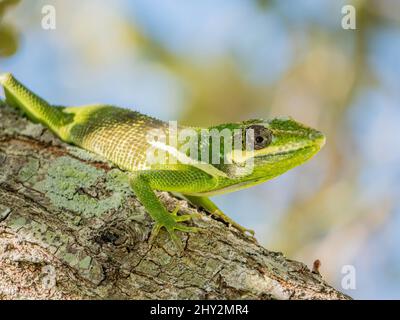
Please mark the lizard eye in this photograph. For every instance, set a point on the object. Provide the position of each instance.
(262, 136)
(259, 140)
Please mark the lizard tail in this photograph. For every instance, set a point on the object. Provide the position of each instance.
(37, 109)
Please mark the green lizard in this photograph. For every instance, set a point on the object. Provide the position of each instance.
(121, 136)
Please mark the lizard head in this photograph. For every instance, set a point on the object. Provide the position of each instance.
(239, 155)
(277, 145)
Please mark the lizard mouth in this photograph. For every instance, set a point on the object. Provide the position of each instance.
(287, 154)
(316, 142)
(311, 142)
(305, 150)
(280, 153)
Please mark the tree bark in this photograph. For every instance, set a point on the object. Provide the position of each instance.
(70, 228)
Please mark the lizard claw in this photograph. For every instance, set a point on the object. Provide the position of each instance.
(171, 224)
(218, 213)
(251, 231)
(243, 229)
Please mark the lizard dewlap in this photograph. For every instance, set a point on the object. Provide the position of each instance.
(122, 136)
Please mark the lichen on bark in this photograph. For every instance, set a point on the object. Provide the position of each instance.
(70, 228)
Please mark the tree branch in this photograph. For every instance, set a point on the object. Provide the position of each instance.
(70, 228)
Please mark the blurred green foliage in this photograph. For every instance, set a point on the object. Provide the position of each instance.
(8, 34)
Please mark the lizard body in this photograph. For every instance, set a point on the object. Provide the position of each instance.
(121, 136)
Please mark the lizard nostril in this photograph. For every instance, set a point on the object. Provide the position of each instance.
(318, 137)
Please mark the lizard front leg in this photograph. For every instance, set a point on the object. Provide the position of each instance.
(212, 208)
(144, 183)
